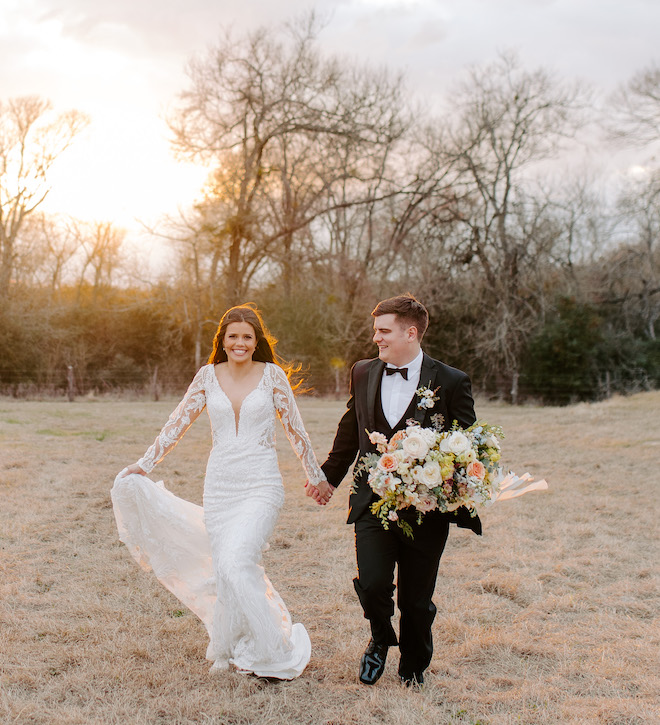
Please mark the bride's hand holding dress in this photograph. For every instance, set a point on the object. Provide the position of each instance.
(132, 469)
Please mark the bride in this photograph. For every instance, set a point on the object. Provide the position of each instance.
(210, 556)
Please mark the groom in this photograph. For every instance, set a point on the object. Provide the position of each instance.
(383, 399)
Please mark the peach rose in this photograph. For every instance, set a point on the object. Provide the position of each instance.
(379, 440)
(394, 440)
(388, 462)
(476, 469)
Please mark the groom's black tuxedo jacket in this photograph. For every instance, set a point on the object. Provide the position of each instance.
(454, 403)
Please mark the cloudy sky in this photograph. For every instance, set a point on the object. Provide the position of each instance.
(122, 62)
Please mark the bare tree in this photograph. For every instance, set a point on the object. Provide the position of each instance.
(586, 217)
(509, 120)
(636, 108)
(277, 121)
(47, 252)
(632, 271)
(99, 247)
(394, 238)
(195, 284)
(30, 143)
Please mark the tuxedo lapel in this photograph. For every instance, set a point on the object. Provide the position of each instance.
(375, 376)
(426, 380)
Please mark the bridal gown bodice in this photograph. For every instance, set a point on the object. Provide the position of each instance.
(231, 464)
(211, 558)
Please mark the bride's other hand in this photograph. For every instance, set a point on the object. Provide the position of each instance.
(321, 493)
(133, 468)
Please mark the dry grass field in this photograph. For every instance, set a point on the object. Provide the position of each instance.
(550, 617)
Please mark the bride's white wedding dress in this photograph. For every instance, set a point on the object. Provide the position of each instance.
(210, 557)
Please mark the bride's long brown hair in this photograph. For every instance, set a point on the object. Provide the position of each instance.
(266, 343)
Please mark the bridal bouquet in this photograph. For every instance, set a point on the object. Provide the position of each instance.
(427, 470)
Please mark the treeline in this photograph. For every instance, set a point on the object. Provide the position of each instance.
(330, 189)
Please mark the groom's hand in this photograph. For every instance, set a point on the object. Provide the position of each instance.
(321, 493)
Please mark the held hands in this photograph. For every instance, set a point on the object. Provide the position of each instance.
(321, 493)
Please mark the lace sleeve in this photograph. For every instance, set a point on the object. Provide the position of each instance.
(288, 412)
(192, 404)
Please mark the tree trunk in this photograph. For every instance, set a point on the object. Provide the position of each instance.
(6, 264)
(287, 266)
(198, 347)
(233, 277)
(155, 388)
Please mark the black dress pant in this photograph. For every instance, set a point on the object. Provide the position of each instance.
(378, 551)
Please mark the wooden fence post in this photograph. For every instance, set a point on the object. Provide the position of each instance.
(70, 383)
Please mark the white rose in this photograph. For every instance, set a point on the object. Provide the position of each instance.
(455, 443)
(391, 482)
(430, 474)
(415, 446)
(411, 498)
(429, 435)
(492, 442)
(403, 468)
(379, 488)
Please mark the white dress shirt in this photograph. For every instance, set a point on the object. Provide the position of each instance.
(396, 393)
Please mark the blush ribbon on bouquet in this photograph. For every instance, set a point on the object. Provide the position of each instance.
(512, 486)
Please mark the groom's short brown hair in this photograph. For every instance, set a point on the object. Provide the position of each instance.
(409, 311)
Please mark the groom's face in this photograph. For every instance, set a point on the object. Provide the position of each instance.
(397, 343)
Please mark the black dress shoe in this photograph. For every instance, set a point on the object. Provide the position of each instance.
(413, 679)
(372, 663)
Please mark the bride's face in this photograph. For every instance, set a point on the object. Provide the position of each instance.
(240, 341)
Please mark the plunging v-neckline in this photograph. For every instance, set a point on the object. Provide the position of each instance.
(237, 420)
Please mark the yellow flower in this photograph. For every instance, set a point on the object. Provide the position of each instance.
(466, 457)
(446, 467)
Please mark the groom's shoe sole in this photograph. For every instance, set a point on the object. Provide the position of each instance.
(372, 663)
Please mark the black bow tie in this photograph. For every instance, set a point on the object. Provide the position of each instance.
(393, 371)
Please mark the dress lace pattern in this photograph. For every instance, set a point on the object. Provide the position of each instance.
(210, 556)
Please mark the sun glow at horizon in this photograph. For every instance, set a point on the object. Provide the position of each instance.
(121, 170)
